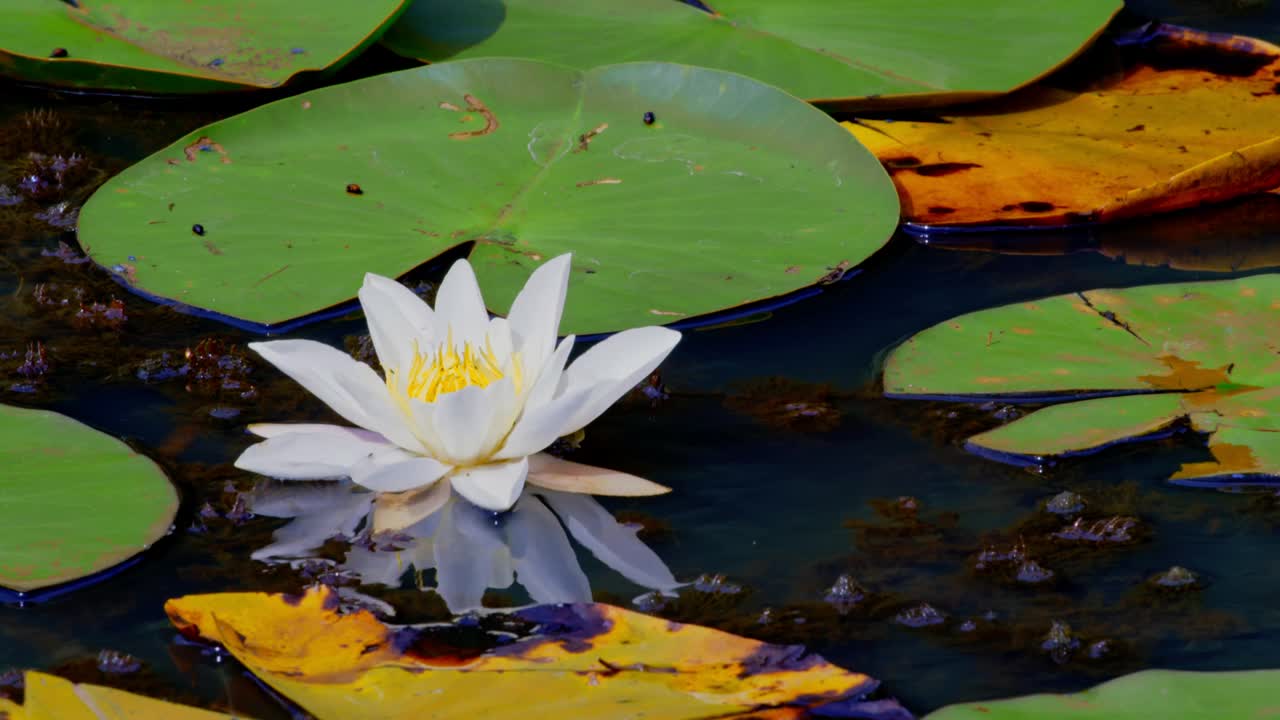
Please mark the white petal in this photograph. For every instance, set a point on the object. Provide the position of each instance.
(312, 455)
(460, 307)
(397, 471)
(538, 427)
(544, 561)
(614, 367)
(548, 380)
(463, 420)
(351, 388)
(394, 512)
(470, 556)
(549, 471)
(396, 318)
(499, 338)
(610, 541)
(494, 486)
(535, 313)
(270, 430)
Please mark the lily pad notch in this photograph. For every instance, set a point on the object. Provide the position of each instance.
(1128, 364)
(735, 193)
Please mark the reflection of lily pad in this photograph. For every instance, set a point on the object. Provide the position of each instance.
(188, 46)
(736, 192)
(1204, 351)
(73, 501)
(1164, 694)
(585, 661)
(1190, 121)
(815, 49)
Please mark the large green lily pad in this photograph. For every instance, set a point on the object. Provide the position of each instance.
(73, 501)
(815, 49)
(1206, 351)
(1164, 694)
(736, 192)
(184, 46)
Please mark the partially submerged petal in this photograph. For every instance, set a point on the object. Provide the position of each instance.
(396, 318)
(535, 313)
(549, 471)
(351, 388)
(312, 453)
(397, 471)
(495, 486)
(460, 306)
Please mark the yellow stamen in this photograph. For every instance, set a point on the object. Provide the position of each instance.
(450, 369)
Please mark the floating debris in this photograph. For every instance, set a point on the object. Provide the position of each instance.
(35, 364)
(61, 216)
(1065, 503)
(922, 615)
(844, 595)
(166, 366)
(1060, 643)
(102, 316)
(1116, 529)
(715, 584)
(219, 369)
(8, 197)
(64, 252)
(1032, 573)
(1177, 578)
(43, 177)
(993, 555)
(1101, 650)
(650, 602)
(787, 404)
(767, 616)
(114, 662)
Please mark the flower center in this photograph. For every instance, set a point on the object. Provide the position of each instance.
(451, 368)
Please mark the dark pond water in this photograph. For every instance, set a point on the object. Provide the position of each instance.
(779, 506)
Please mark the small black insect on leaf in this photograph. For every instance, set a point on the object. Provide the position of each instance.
(59, 53)
(198, 229)
(649, 118)
(354, 189)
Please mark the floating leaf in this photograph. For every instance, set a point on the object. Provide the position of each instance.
(186, 47)
(591, 661)
(75, 501)
(1156, 354)
(737, 192)
(1164, 694)
(816, 49)
(47, 697)
(1193, 122)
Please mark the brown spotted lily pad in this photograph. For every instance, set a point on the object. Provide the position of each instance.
(582, 661)
(1190, 120)
(1131, 362)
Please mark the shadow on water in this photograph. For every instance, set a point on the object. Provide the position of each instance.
(789, 467)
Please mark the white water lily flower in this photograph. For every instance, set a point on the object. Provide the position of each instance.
(466, 399)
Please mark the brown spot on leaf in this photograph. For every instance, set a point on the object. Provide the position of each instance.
(1228, 459)
(490, 120)
(943, 169)
(601, 181)
(204, 143)
(1186, 375)
(584, 140)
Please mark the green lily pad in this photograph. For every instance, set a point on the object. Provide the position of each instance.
(185, 47)
(1202, 351)
(736, 192)
(73, 501)
(1164, 694)
(816, 49)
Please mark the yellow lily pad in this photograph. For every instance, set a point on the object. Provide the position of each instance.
(48, 697)
(595, 661)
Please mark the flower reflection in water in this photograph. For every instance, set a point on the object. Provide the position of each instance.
(469, 549)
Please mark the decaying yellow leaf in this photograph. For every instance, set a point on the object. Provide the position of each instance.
(1192, 122)
(48, 697)
(595, 661)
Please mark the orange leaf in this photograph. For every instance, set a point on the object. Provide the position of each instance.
(597, 661)
(1193, 122)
